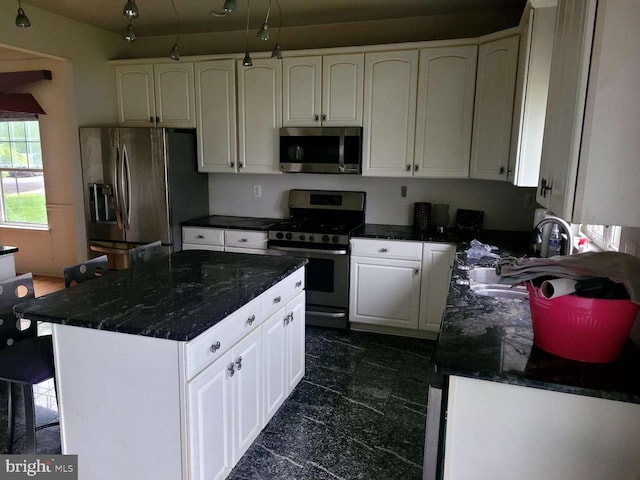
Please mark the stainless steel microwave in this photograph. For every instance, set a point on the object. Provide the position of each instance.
(321, 150)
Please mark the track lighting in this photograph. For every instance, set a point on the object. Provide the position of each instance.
(230, 6)
(263, 33)
(21, 19)
(276, 52)
(130, 9)
(174, 54)
(129, 34)
(246, 61)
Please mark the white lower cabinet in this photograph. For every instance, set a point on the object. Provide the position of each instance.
(283, 354)
(399, 284)
(219, 240)
(437, 263)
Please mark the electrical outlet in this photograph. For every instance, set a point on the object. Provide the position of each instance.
(630, 247)
(403, 193)
(257, 191)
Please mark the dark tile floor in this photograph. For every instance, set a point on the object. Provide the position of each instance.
(359, 413)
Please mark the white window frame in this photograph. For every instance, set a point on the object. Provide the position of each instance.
(604, 237)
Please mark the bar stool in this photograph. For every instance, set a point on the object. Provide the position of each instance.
(84, 271)
(144, 253)
(25, 358)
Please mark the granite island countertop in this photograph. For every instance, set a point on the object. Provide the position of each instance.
(492, 339)
(231, 222)
(176, 297)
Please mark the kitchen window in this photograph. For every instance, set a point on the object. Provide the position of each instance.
(22, 199)
(604, 237)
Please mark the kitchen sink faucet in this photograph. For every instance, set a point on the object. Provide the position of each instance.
(537, 230)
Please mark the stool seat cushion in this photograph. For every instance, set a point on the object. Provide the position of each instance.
(28, 361)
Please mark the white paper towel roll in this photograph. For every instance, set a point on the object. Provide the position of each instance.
(557, 287)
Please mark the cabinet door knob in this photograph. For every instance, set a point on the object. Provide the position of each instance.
(501, 171)
(290, 315)
(316, 117)
(232, 164)
(324, 117)
(415, 167)
(416, 271)
(151, 119)
(408, 167)
(285, 320)
(240, 165)
(383, 250)
(243, 240)
(239, 363)
(215, 347)
(231, 369)
(298, 283)
(277, 299)
(251, 319)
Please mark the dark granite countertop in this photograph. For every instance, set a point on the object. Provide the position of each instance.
(6, 249)
(177, 297)
(492, 339)
(239, 223)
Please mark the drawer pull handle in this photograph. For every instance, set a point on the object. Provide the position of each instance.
(416, 271)
(298, 283)
(243, 240)
(251, 319)
(200, 236)
(277, 299)
(239, 363)
(231, 369)
(290, 317)
(286, 320)
(215, 347)
(383, 250)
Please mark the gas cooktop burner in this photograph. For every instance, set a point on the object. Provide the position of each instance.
(313, 232)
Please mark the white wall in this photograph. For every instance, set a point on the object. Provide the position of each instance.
(81, 93)
(232, 194)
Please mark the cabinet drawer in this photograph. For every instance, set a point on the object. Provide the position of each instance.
(245, 239)
(279, 294)
(200, 246)
(205, 236)
(397, 249)
(213, 343)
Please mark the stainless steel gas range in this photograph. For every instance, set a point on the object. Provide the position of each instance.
(320, 226)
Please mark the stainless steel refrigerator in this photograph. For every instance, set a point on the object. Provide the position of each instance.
(139, 184)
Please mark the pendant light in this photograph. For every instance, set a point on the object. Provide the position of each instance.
(174, 54)
(22, 20)
(246, 61)
(277, 51)
(263, 33)
(130, 9)
(129, 34)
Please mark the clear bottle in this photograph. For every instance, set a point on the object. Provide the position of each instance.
(555, 242)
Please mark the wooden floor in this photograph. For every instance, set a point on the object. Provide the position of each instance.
(45, 285)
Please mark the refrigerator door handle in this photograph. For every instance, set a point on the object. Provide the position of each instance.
(126, 186)
(116, 193)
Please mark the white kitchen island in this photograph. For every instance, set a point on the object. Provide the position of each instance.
(193, 356)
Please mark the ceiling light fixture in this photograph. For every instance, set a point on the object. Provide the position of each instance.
(174, 54)
(263, 33)
(246, 61)
(129, 34)
(277, 51)
(21, 19)
(130, 9)
(230, 6)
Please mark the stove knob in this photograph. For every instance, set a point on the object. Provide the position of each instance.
(311, 239)
(279, 235)
(335, 239)
(325, 238)
(288, 236)
(302, 238)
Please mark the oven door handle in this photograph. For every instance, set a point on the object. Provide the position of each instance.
(307, 250)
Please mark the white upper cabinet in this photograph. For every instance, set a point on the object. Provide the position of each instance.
(159, 95)
(590, 167)
(259, 115)
(216, 115)
(390, 88)
(323, 90)
(492, 120)
(446, 86)
(532, 87)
